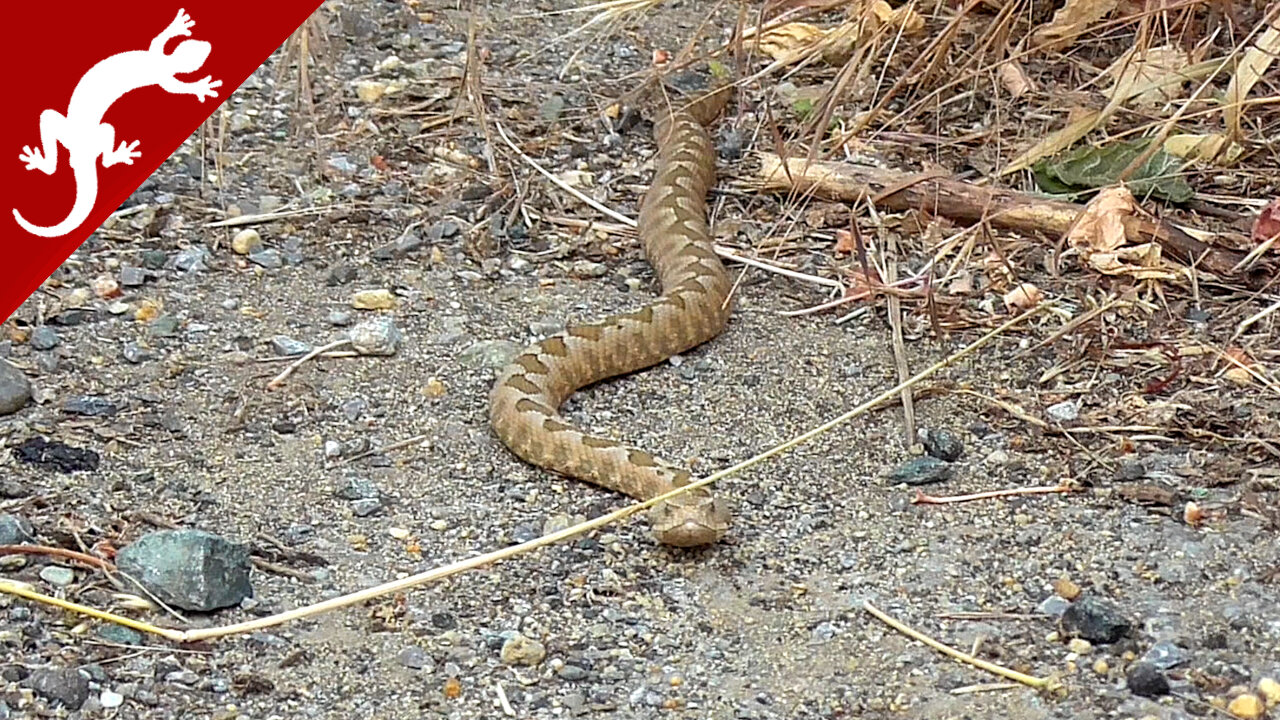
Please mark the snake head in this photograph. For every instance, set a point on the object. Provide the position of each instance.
(689, 520)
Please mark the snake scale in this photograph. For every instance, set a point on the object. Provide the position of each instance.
(693, 308)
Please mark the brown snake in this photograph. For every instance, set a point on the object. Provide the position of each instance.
(693, 308)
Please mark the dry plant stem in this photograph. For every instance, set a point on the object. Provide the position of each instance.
(79, 557)
(560, 183)
(22, 590)
(525, 547)
(278, 380)
(1007, 209)
(377, 451)
(899, 345)
(268, 217)
(1035, 682)
(922, 499)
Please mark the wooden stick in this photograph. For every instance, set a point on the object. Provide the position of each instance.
(1007, 209)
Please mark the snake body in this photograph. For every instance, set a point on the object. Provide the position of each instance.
(693, 308)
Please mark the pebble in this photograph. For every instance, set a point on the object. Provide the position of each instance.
(366, 506)
(415, 658)
(358, 488)
(378, 336)
(110, 700)
(190, 569)
(89, 406)
(44, 338)
(192, 260)
(1270, 690)
(57, 575)
(15, 389)
(439, 525)
(118, 634)
(381, 299)
(1080, 646)
(339, 318)
(520, 650)
(341, 274)
(494, 354)
(1247, 706)
(920, 471)
(1101, 667)
(332, 449)
(63, 685)
(246, 242)
(131, 276)
(942, 444)
(56, 455)
(285, 345)
(154, 259)
(1165, 655)
(588, 269)
(1095, 620)
(572, 672)
(1065, 411)
(1146, 680)
(135, 353)
(270, 259)
(15, 530)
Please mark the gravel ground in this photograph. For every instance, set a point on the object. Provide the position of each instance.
(163, 380)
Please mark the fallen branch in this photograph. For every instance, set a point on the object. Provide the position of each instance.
(1002, 208)
(1048, 683)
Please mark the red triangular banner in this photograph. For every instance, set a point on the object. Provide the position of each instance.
(109, 91)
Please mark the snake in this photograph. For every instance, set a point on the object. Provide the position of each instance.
(694, 307)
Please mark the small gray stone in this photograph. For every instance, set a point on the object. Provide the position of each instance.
(442, 229)
(550, 109)
(366, 506)
(58, 576)
(1063, 412)
(190, 569)
(89, 406)
(341, 274)
(415, 658)
(192, 259)
(269, 258)
(15, 389)
(489, 353)
(572, 672)
(920, 471)
(15, 530)
(135, 353)
(588, 269)
(339, 318)
(1165, 655)
(164, 326)
(520, 650)
(61, 685)
(1053, 606)
(285, 345)
(359, 489)
(44, 338)
(378, 336)
(131, 276)
(154, 259)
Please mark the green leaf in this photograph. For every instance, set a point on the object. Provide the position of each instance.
(1090, 168)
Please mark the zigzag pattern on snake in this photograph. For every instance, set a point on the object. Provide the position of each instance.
(693, 308)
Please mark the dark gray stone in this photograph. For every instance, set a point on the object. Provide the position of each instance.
(920, 471)
(44, 338)
(1095, 620)
(15, 389)
(190, 569)
(1146, 680)
(943, 444)
(89, 405)
(61, 685)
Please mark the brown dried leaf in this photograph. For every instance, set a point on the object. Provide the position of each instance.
(788, 43)
(1014, 79)
(1149, 78)
(1070, 21)
(1099, 236)
(1252, 66)
(845, 242)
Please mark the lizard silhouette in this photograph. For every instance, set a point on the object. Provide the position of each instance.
(84, 135)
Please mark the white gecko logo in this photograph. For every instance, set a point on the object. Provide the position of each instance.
(82, 131)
